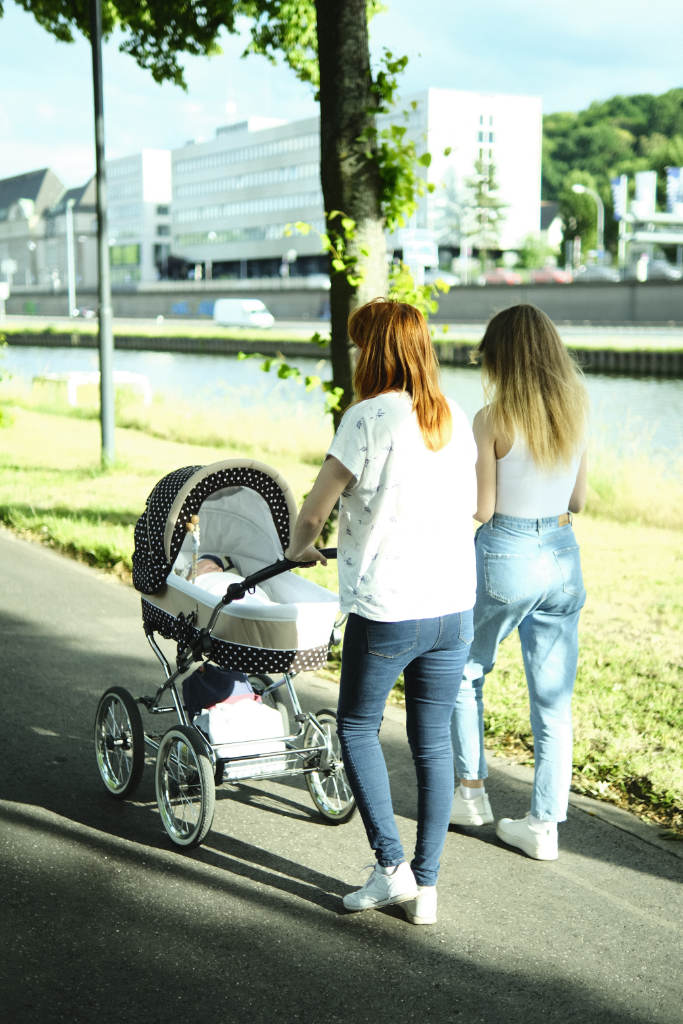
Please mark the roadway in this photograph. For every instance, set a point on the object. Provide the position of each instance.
(608, 334)
(102, 918)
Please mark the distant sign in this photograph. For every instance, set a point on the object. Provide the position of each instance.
(619, 195)
(646, 193)
(674, 189)
(419, 247)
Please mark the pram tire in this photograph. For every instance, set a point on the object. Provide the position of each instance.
(184, 785)
(329, 788)
(119, 742)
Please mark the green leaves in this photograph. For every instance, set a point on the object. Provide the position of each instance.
(310, 381)
(402, 287)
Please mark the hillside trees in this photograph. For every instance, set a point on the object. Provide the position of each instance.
(325, 43)
(621, 135)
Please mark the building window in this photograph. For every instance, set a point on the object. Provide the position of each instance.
(124, 255)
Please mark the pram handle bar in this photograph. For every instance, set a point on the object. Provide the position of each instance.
(236, 591)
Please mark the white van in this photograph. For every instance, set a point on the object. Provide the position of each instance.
(242, 313)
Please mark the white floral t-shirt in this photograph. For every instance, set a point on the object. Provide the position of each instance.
(406, 540)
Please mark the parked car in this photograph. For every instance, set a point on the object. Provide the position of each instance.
(500, 275)
(551, 275)
(242, 313)
(596, 272)
(662, 270)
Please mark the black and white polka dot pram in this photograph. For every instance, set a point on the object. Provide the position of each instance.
(245, 510)
(259, 619)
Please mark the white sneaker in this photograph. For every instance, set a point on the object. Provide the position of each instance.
(471, 812)
(536, 840)
(384, 887)
(423, 909)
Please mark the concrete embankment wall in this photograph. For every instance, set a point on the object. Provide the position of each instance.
(650, 302)
(634, 362)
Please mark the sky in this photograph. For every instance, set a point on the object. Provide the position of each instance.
(569, 54)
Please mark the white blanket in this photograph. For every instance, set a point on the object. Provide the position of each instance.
(218, 582)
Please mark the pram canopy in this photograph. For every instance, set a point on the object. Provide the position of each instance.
(257, 495)
(245, 509)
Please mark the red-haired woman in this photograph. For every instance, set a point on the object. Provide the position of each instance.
(402, 461)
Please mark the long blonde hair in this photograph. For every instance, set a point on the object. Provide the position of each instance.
(396, 354)
(533, 386)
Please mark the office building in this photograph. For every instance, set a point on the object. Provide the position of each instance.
(236, 196)
(139, 216)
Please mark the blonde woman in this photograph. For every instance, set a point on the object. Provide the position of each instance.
(531, 477)
(402, 461)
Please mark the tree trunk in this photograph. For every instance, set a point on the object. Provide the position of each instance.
(350, 181)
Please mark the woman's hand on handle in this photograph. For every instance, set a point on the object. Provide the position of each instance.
(309, 556)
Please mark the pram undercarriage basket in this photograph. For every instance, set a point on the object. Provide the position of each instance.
(257, 618)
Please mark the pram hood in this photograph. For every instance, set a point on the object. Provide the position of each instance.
(246, 512)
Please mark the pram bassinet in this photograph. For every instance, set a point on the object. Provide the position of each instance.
(245, 509)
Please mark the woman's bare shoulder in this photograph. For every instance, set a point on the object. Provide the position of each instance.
(486, 434)
(482, 425)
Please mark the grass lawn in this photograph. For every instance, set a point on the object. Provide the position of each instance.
(628, 710)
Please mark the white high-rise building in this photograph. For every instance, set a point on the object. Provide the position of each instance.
(460, 129)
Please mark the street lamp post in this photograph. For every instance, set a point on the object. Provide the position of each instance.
(70, 261)
(105, 316)
(288, 258)
(212, 236)
(583, 189)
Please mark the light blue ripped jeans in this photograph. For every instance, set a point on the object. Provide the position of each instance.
(529, 579)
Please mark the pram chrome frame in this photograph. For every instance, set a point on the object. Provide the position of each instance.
(188, 766)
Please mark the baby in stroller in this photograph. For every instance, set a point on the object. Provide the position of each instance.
(214, 573)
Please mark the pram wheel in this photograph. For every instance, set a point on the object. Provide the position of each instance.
(184, 784)
(274, 699)
(328, 784)
(119, 741)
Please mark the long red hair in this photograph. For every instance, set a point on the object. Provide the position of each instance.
(396, 354)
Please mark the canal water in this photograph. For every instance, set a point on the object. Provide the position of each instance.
(632, 415)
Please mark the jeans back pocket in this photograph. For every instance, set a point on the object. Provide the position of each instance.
(511, 578)
(569, 563)
(391, 639)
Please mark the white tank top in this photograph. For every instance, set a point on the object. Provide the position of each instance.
(528, 491)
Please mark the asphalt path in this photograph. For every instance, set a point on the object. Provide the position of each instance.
(103, 919)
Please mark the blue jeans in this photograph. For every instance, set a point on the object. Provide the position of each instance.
(431, 653)
(529, 579)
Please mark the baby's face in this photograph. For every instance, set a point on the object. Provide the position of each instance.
(205, 565)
